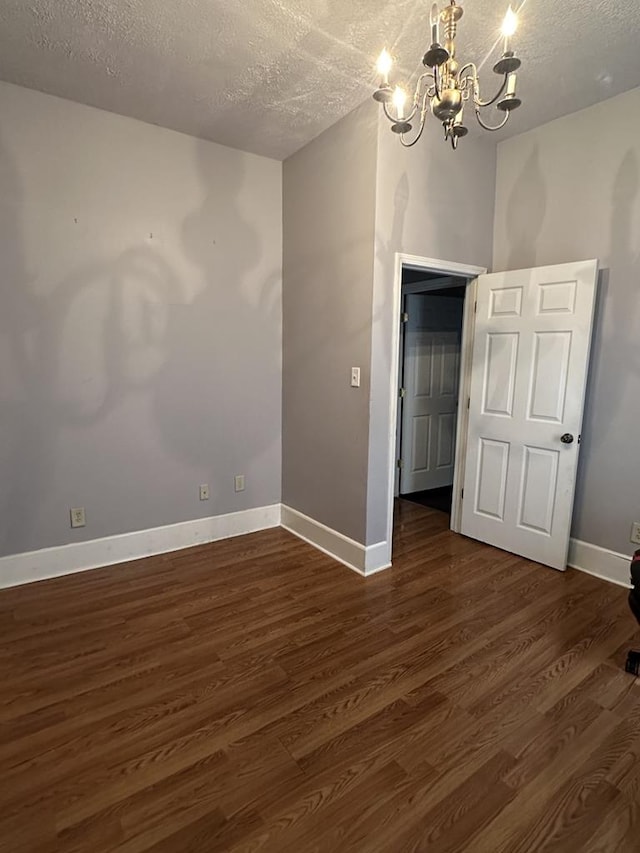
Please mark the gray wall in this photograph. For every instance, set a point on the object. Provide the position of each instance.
(433, 202)
(567, 191)
(140, 323)
(329, 210)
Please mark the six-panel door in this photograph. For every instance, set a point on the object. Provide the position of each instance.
(530, 359)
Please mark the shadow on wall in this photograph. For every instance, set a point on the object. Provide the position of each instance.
(616, 317)
(130, 319)
(387, 244)
(526, 211)
(205, 399)
(36, 401)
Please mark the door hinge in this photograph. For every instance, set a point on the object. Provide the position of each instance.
(404, 317)
(461, 494)
(579, 438)
(468, 402)
(399, 463)
(401, 392)
(475, 307)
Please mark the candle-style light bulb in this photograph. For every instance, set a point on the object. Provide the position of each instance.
(509, 26)
(384, 66)
(399, 101)
(434, 21)
(511, 84)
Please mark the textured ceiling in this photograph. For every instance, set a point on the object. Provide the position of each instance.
(269, 75)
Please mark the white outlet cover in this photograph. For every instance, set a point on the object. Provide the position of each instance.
(239, 483)
(204, 492)
(635, 533)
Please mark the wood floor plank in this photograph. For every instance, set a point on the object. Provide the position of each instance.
(254, 695)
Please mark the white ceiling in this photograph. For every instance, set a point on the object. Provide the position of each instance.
(269, 75)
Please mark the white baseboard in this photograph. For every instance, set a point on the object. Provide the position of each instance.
(54, 562)
(80, 556)
(377, 558)
(599, 562)
(366, 560)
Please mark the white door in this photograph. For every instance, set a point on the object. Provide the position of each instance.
(530, 358)
(429, 407)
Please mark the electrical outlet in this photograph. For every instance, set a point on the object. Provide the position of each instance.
(635, 532)
(204, 492)
(355, 377)
(77, 517)
(239, 483)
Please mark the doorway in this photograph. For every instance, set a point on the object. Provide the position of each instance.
(428, 380)
(423, 267)
(523, 366)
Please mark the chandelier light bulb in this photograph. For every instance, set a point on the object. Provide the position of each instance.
(384, 66)
(510, 23)
(434, 20)
(399, 101)
(509, 26)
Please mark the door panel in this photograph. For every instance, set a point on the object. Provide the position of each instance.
(506, 302)
(549, 373)
(538, 488)
(446, 444)
(421, 443)
(493, 463)
(500, 373)
(530, 358)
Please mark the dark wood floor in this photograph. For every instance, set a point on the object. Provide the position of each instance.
(254, 695)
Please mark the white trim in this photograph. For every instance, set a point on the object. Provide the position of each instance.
(96, 553)
(447, 268)
(464, 392)
(377, 558)
(396, 307)
(599, 562)
(364, 560)
(426, 286)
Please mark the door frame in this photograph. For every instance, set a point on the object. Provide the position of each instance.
(446, 268)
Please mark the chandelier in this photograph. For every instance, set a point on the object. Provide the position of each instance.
(448, 87)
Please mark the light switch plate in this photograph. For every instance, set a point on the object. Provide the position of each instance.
(355, 377)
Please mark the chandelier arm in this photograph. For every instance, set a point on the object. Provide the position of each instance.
(422, 77)
(423, 115)
(480, 103)
(473, 78)
(417, 97)
(487, 126)
(385, 109)
(435, 82)
(416, 100)
(413, 142)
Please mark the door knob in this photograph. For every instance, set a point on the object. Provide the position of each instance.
(567, 438)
